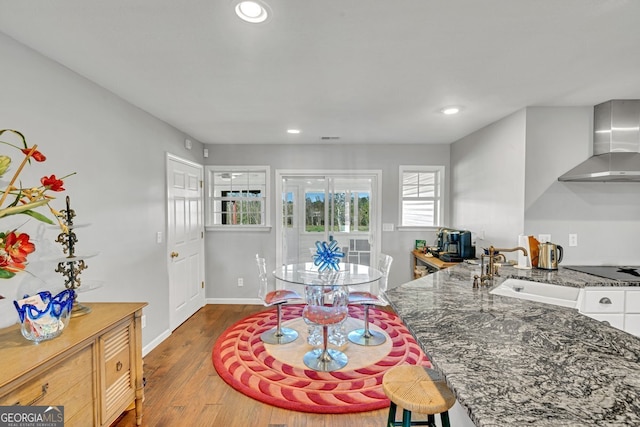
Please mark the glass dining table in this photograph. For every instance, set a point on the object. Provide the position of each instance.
(327, 296)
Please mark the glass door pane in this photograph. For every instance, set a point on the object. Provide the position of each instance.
(325, 208)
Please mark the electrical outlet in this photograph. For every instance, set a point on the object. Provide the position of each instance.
(143, 320)
(544, 238)
(159, 237)
(573, 240)
(240, 281)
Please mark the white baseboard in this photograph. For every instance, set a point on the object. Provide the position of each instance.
(156, 342)
(250, 301)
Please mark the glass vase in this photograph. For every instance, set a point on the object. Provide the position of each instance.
(42, 316)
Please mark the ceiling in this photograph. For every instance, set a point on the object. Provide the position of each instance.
(365, 71)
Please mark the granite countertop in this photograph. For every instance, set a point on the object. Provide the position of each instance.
(512, 362)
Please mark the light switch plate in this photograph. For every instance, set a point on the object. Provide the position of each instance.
(387, 227)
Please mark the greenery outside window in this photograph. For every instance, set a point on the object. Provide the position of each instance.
(238, 197)
(421, 196)
(348, 211)
(288, 214)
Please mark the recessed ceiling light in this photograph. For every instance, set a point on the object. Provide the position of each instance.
(293, 131)
(450, 110)
(253, 11)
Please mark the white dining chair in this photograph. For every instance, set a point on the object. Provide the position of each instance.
(373, 297)
(270, 297)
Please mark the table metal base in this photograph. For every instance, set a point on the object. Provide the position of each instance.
(285, 336)
(366, 338)
(325, 361)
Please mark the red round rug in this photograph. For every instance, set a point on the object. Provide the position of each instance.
(244, 362)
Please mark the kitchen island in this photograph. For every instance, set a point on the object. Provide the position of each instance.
(512, 362)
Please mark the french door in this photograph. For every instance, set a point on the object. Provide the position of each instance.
(328, 205)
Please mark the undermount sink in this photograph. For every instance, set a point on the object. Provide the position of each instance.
(564, 296)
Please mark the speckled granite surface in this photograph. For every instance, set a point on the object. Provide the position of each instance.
(513, 362)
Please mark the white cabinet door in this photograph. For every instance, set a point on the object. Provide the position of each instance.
(632, 324)
(632, 302)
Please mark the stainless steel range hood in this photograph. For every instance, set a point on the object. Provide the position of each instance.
(616, 145)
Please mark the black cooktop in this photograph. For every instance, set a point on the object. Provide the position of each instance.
(614, 272)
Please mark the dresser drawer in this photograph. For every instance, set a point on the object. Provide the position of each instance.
(82, 418)
(68, 384)
(603, 301)
(118, 385)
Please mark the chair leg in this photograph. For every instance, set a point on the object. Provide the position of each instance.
(279, 335)
(366, 336)
(391, 419)
(444, 417)
(367, 332)
(325, 359)
(279, 321)
(406, 418)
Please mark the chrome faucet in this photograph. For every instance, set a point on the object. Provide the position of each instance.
(494, 255)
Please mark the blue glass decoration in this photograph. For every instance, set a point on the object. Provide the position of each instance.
(43, 317)
(327, 255)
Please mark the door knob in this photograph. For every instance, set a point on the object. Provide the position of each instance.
(174, 254)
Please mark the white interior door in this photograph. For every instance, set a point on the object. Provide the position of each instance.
(185, 239)
(328, 205)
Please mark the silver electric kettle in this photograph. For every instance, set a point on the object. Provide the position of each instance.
(549, 256)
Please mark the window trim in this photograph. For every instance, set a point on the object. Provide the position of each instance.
(213, 169)
(440, 169)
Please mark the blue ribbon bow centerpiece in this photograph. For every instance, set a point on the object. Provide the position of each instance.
(327, 255)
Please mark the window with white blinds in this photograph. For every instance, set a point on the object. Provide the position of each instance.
(421, 196)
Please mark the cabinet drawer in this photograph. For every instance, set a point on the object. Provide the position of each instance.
(117, 380)
(68, 384)
(632, 302)
(604, 301)
(615, 320)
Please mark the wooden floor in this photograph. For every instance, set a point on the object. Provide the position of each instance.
(184, 389)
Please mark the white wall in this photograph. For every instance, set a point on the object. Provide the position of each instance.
(231, 254)
(118, 152)
(606, 216)
(495, 189)
(488, 182)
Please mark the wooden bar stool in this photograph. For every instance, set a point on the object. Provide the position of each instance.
(417, 389)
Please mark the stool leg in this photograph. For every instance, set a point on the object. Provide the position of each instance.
(392, 415)
(444, 417)
(406, 418)
(432, 420)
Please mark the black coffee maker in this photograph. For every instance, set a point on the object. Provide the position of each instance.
(454, 245)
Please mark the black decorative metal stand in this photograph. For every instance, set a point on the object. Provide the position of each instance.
(72, 266)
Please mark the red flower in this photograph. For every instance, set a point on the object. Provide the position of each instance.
(52, 183)
(37, 156)
(16, 249)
